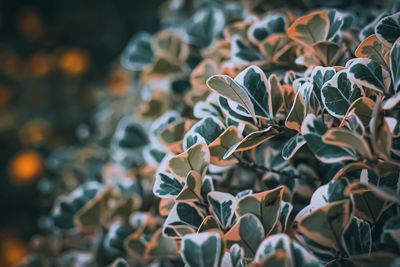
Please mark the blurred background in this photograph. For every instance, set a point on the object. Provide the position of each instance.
(58, 59)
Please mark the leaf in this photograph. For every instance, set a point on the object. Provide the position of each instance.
(172, 136)
(311, 28)
(391, 235)
(138, 53)
(313, 129)
(296, 114)
(196, 158)
(326, 225)
(160, 246)
(321, 75)
(257, 86)
(242, 53)
(328, 53)
(358, 237)
(205, 26)
(353, 122)
(229, 88)
(388, 29)
(292, 145)
(96, 212)
(248, 232)
(167, 186)
(184, 218)
(271, 24)
(394, 64)
(339, 93)
(237, 256)
(221, 145)
(223, 207)
(369, 205)
(280, 246)
(275, 92)
(202, 250)
(265, 205)
(209, 224)
(200, 75)
(345, 138)
(206, 130)
(362, 107)
(368, 73)
(192, 189)
(373, 49)
(271, 45)
(252, 140)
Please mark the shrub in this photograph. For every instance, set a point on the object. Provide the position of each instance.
(274, 142)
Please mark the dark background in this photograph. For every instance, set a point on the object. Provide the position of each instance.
(99, 27)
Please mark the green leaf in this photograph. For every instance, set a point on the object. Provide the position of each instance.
(209, 223)
(311, 28)
(321, 75)
(242, 53)
(192, 189)
(292, 145)
(223, 206)
(206, 130)
(184, 218)
(248, 232)
(229, 88)
(160, 246)
(391, 234)
(280, 246)
(271, 24)
(138, 54)
(251, 141)
(221, 145)
(369, 204)
(394, 64)
(388, 29)
(167, 186)
(313, 129)
(296, 114)
(205, 26)
(345, 138)
(326, 225)
(265, 205)
(358, 237)
(368, 73)
(196, 158)
(373, 49)
(339, 93)
(202, 250)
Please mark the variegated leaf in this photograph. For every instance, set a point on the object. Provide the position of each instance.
(388, 29)
(196, 158)
(252, 140)
(167, 185)
(339, 93)
(311, 28)
(292, 145)
(221, 145)
(248, 232)
(313, 129)
(327, 224)
(265, 205)
(202, 250)
(223, 206)
(368, 73)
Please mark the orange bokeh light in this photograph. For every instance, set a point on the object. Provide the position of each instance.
(74, 61)
(26, 167)
(12, 249)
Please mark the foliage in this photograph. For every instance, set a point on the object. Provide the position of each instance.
(272, 140)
